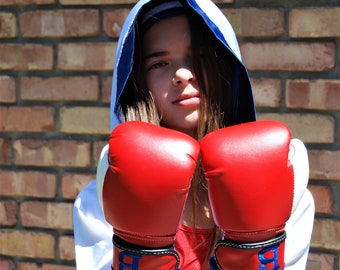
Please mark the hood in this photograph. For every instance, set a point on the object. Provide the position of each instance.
(243, 104)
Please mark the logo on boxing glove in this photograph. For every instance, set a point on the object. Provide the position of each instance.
(269, 256)
(132, 258)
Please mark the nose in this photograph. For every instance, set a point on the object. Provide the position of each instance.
(183, 76)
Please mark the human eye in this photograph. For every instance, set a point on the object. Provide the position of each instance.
(153, 65)
(157, 65)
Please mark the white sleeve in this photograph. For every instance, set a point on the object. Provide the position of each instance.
(92, 234)
(299, 229)
(300, 224)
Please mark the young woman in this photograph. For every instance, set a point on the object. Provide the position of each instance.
(178, 66)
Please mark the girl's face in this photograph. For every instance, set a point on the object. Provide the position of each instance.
(169, 74)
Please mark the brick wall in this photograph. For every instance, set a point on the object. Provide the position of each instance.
(56, 58)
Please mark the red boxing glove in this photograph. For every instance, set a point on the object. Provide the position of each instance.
(253, 188)
(143, 192)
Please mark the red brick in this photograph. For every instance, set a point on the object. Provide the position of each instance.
(28, 183)
(87, 56)
(324, 164)
(6, 264)
(313, 94)
(96, 2)
(60, 23)
(8, 213)
(5, 151)
(298, 93)
(85, 120)
(60, 88)
(290, 56)
(46, 215)
(320, 261)
(116, 2)
(310, 128)
(27, 244)
(267, 92)
(66, 248)
(26, 119)
(58, 153)
(26, 57)
(256, 22)
(7, 89)
(25, 2)
(326, 234)
(8, 25)
(97, 149)
(73, 183)
(113, 21)
(314, 22)
(106, 89)
(43, 266)
(332, 95)
(322, 198)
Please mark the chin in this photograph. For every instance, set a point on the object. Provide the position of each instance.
(190, 129)
(187, 124)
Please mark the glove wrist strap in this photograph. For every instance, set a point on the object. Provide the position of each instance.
(132, 257)
(261, 255)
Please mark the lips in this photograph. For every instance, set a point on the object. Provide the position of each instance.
(189, 99)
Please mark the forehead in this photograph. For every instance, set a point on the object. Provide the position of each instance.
(170, 31)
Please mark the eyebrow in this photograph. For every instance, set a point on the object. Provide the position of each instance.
(157, 54)
(154, 54)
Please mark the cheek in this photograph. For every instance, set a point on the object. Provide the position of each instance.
(151, 81)
(155, 90)
(158, 87)
(159, 100)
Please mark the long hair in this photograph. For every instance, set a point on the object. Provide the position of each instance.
(212, 64)
(136, 102)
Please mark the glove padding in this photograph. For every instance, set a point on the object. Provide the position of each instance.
(256, 176)
(143, 180)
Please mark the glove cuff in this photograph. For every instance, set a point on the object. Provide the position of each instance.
(267, 254)
(268, 243)
(131, 256)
